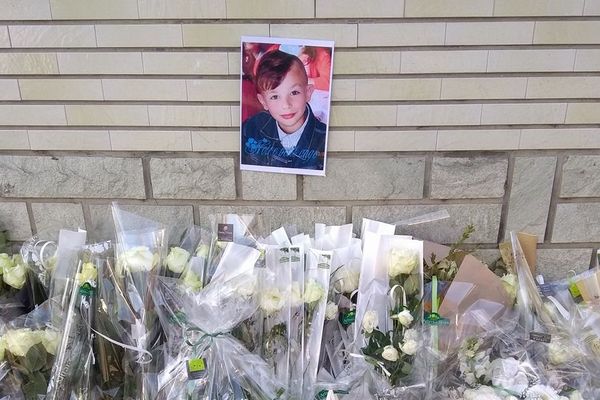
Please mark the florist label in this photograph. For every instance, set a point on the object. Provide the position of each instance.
(225, 232)
(540, 337)
(196, 368)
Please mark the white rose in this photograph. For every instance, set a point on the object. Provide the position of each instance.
(370, 321)
(409, 347)
(390, 353)
(138, 259)
(346, 280)
(247, 287)
(507, 373)
(16, 275)
(560, 353)
(509, 281)
(313, 291)
(202, 251)
(192, 281)
(404, 317)
(411, 334)
(543, 392)
(50, 340)
(177, 259)
(5, 262)
(271, 300)
(575, 395)
(331, 312)
(481, 393)
(19, 341)
(2, 348)
(402, 261)
(296, 298)
(88, 273)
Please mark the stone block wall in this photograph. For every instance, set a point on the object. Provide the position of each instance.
(489, 109)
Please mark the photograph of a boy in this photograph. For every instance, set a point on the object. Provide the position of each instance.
(286, 134)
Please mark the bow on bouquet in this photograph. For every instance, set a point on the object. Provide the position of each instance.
(203, 359)
(389, 308)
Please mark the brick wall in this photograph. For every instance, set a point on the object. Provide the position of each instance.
(487, 108)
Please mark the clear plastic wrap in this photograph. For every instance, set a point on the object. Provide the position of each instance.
(389, 312)
(203, 360)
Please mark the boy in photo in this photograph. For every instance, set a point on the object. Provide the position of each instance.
(286, 134)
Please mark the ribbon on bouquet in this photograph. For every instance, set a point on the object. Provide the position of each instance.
(190, 332)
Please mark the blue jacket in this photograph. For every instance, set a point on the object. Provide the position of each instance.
(261, 144)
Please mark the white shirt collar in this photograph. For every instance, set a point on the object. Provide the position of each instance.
(290, 140)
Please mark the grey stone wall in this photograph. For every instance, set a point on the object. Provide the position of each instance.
(553, 194)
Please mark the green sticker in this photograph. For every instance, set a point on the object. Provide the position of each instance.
(86, 289)
(196, 368)
(575, 293)
(348, 317)
(435, 319)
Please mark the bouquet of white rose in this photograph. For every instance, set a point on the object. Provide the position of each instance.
(28, 348)
(203, 360)
(388, 312)
(140, 252)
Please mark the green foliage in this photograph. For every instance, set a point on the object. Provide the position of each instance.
(446, 268)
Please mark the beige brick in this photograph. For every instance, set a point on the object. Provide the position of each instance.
(567, 32)
(489, 33)
(144, 89)
(407, 34)
(50, 218)
(234, 62)
(213, 90)
(359, 9)
(531, 60)
(343, 90)
(516, 8)
(4, 38)
(560, 138)
(398, 89)
(100, 63)
(268, 186)
(363, 116)
(423, 140)
(236, 116)
(108, 115)
(483, 88)
(151, 140)
(446, 61)
(9, 89)
(544, 113)
(190, 115)
(138, 35)
(583, 113)
(443, 8)
(14, 140)
(216, 140)
(190, 63)
(592, 7)
(366, 62)
(439, 114)
(478, 139)
(52, 36)
(91, 9)
(220, 35)
(344, 35)
(28, 63)
(268, 9)
(182, 9)
(69, 140)
(14, 219)
(587, 60)
(61, 89)
(25, 10)
(338, 140)
(563, 87)
(26, 114)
